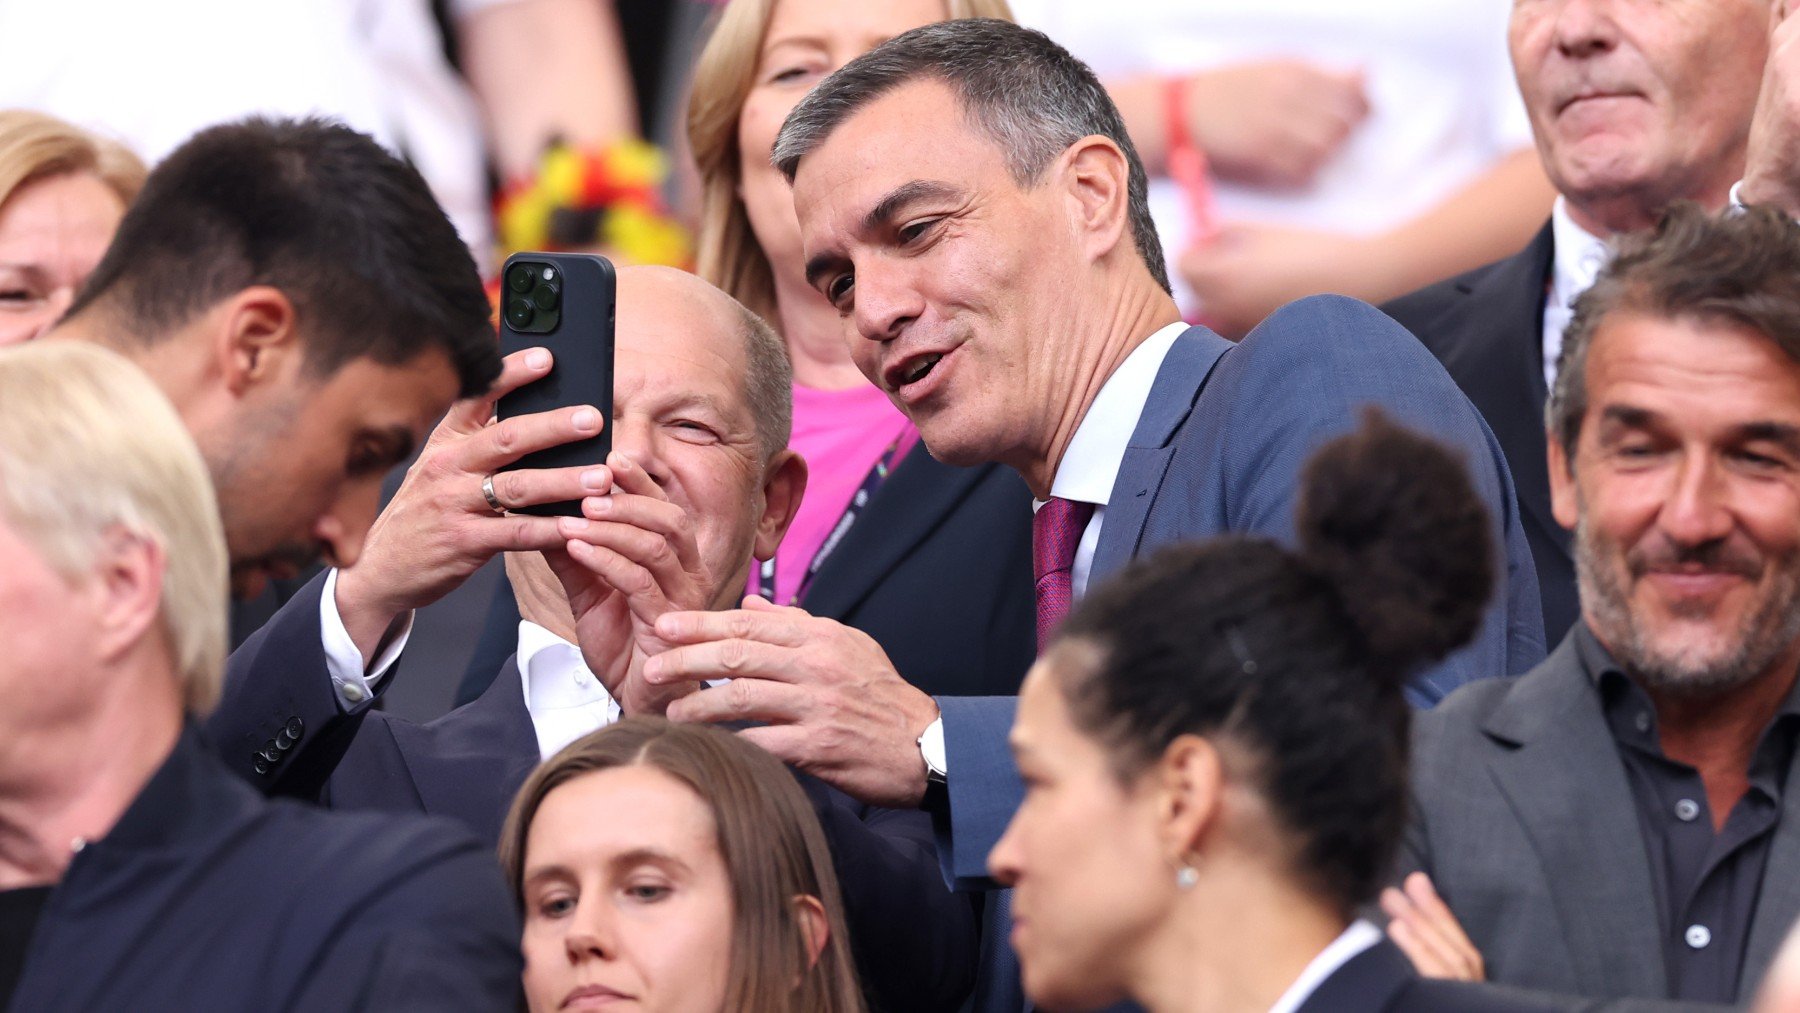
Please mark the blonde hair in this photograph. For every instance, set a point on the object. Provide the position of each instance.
(729, 255)
(34, 146)
(89, 444)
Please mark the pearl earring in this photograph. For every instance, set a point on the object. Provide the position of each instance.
(1186, 877)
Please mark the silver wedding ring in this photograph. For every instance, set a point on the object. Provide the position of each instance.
(487, 493)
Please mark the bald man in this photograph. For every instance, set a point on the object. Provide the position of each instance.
(700, 483)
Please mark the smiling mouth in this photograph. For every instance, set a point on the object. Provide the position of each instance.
(1590, 96)
(919, 369)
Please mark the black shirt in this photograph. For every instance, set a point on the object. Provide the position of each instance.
(19, 911)
(1707, 883)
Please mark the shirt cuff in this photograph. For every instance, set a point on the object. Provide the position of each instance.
(931, 747)
(1734, 201)
(355, 687)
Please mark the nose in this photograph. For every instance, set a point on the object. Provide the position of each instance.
(1586, 28)
(1004, 861)
(590, 934)
(343, 527)
(639, 439)
(1697, 511)
(886, 300)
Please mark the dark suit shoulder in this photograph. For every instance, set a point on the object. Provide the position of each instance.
(1418, 308)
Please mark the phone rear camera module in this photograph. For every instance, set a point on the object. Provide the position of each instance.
(519, 313)
(520, 278)
(546, 297)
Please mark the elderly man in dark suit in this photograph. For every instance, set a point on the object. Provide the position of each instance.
(970, 201)
(700, 483)
(136, 871)
(1624, 820)
(1633, 106)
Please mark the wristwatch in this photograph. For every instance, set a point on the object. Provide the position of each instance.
(931, 749)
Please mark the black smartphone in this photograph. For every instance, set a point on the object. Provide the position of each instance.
(563, 302)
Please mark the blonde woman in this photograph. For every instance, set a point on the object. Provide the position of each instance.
(882, 524)
(62, 193)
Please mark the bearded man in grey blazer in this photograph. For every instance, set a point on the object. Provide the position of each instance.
(1623, 820)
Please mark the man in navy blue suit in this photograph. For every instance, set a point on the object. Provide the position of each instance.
(136, 871)
(970, 201)
(699, 483)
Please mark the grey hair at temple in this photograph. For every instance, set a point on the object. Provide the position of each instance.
(1024, 91)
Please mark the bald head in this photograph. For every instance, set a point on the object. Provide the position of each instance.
(652, 300)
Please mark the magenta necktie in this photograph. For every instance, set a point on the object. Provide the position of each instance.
(1055, 532)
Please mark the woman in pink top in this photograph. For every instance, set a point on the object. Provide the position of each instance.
(934, 562)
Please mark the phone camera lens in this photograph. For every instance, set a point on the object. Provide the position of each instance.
(545, 298)
(520, 278)
(519, 313)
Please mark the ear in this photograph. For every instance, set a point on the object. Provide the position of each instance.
(257, 338)
(784, 483)
(1098, 176)
(815, 928)
(1565, 504)
(1191, 779)
(128, 580)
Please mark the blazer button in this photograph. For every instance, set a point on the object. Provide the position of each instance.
(284, 741)
(262, 766)
(294, 727)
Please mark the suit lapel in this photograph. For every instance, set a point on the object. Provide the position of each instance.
(468, 763)
(1178, 386)
(1566, 784)
(1778, 907)
(1500, 364)
(908, 507)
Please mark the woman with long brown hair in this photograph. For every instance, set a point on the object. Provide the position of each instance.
(679, 867)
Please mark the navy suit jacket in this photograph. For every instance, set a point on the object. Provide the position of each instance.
(1218, 449)
(1487, 328)
(914, 940)
(206, 896)
(1381, 980)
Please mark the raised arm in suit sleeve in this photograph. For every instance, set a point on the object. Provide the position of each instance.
(1302, 378)
(915, 941)
(984, 786)
(282, 722)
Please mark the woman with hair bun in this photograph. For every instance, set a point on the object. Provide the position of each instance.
(1214, 751)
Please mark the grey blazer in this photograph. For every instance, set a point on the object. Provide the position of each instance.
(1524, 820)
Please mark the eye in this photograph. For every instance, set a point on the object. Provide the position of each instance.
(556, 905)
(788, 74)
(17, 295)
(839, 289)
(693, 431)
(916, 230)
(648, 892)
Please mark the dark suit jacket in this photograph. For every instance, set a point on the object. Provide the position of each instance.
(914, 940)
(937, 569)
(1487, 328)
(1218, 449)
(1381, 980)
(1524, 819)
(205, 896)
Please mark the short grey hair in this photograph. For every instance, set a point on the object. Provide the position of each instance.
(1028, 94)
(768, 382)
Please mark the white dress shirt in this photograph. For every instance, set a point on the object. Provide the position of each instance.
(1579, 257)
(355, 686)
(564, 698)
(1358, 937)
(1090, 463)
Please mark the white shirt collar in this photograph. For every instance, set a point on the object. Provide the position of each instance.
(554, 674)
(1580, 255)
(1090, 463)
(1358, 937)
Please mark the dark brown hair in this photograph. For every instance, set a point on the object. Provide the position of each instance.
(769, 837)
(1297, 659)
(1742, 267)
